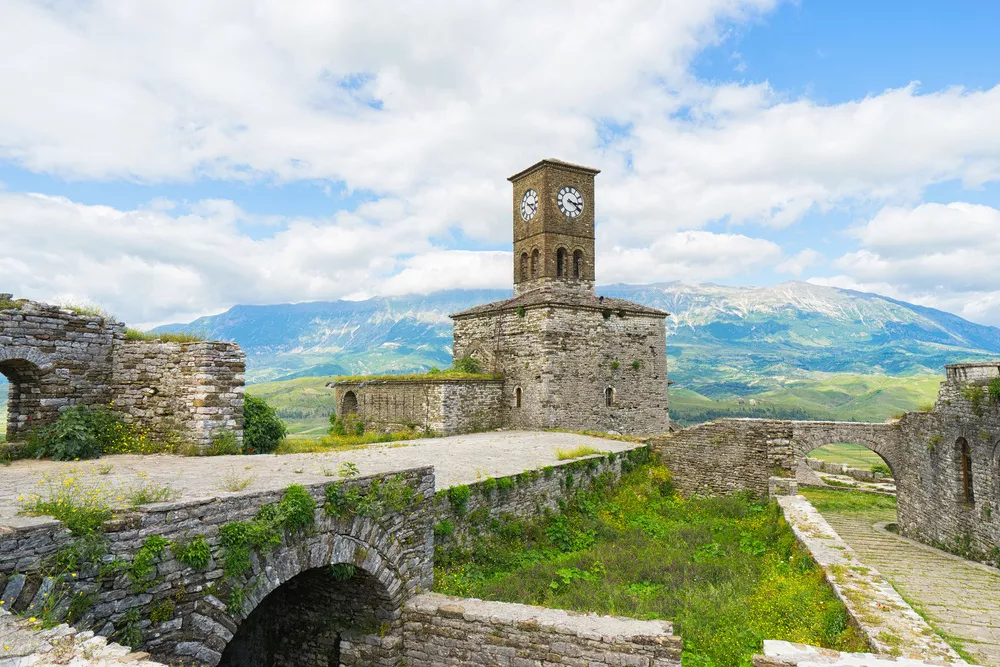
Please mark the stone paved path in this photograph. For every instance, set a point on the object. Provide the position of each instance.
(457, 459)
(958, 597)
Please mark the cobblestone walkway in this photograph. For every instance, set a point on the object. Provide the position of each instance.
(959, 598)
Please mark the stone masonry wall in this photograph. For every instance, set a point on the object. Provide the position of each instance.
(189, 614)
(440, 631)
(933, 506)
(54, 358)
(564, 358)
(446, 407)
(525, 496)
(185, 391)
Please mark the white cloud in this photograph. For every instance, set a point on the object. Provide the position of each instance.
(800, 262)
(938, 255)
(429, 106)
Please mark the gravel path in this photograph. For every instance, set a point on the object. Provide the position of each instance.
(958, 597)
(457, 460)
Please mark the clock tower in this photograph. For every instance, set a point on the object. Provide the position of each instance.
(554, 228)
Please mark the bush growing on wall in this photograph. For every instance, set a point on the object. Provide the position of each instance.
(85, 433)
(263, 430)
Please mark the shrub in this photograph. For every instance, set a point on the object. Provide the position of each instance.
(993, 389)
(263, 430)
(194, 553)
(467, 364)
(78, 433)
(881, 469)
(458, 496)
(224, 443)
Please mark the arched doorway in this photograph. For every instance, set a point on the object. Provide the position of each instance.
(331, 615)
(349, 406)
(24, 396)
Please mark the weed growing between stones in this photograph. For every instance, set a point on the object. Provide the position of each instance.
(87, 433)
(576, 452)
(144, 564)
(381, 496)
(195, 552)
(727, 571)
(162, 337)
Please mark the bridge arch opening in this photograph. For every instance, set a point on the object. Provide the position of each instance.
(24, 396)
(851, 465)
(332, 615)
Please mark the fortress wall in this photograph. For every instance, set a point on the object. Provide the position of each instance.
(54, 358)
(180, 391)
(933, 506)
(727, 455)
(441, 631)
(526, 496)
(563, 358)
(446, 407)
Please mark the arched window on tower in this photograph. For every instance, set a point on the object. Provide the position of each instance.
(524, 266)
(578, 264)
(534, 263)
(965, 457)
(561, 262)
(609, 397)
(517, 397)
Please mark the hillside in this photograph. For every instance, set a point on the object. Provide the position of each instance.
(723, 342)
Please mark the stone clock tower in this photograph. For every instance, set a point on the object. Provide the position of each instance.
(554, 228)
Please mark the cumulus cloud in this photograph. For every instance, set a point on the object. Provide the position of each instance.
(938, 255)
(427, 107)
(800, 262)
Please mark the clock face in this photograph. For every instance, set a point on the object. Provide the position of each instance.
(529, 204)
(570, 201)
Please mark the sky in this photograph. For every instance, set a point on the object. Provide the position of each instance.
(167, 160)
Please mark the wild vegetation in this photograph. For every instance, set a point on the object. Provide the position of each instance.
(854, 455)
(163, 337)
(727, 571)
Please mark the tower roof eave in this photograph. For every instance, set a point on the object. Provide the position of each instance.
(556, 163)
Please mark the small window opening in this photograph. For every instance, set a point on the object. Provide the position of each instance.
(350, 404)
(517, 397)
(578, 264)
(534, 263)
(609, 397)
(561, 262)
(524, 266)
(966, 460)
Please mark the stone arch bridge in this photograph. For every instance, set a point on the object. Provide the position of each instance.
(329, 590)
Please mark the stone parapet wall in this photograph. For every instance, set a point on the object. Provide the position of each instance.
(189, 392)
(446, 407)
(788, 654)
(526, 496)
(194, 612)
(441, 631)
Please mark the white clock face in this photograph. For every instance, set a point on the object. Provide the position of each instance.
(529, 204)
(570, 201)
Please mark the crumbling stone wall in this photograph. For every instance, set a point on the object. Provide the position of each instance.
(564, 356)
(443, 406)
(187, 614)
(56, 358)
(729, 455)
(185, 391)
(933, 504)
(441, 631)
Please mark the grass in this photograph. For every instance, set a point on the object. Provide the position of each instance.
(727, 571)
(578, 452)
(163, 337)
(856, 456)
(234, 482)
(430, 375)
(333, 443)
(828, 500)
(83, 505)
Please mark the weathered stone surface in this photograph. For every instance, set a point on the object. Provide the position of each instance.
(440, 631)
(57, 358)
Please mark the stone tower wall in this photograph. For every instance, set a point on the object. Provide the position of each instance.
(563, 358)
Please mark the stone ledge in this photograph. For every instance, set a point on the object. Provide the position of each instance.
(787, 654)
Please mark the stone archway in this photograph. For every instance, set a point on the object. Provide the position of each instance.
(24, 394)
(883, 439)
(349, 405)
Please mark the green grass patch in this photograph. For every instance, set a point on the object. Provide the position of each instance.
(856, 456)
(163, 337)
(828, 500)
(575, 453)
(727, 571)
(334, 443)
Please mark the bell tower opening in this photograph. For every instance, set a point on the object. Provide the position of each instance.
(553, 213)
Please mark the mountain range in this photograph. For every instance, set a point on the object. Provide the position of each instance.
(722, 342)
